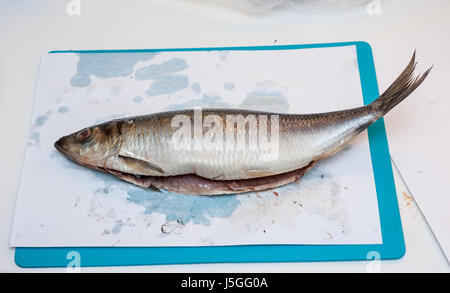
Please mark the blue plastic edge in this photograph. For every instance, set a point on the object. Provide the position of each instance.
(393, 245)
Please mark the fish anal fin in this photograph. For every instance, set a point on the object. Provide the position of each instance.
(140, 166)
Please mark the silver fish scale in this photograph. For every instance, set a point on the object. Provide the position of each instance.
(302, 139)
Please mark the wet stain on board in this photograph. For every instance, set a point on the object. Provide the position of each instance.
(106, 65)
(184, 208)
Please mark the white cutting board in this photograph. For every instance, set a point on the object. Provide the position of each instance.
(63, 204)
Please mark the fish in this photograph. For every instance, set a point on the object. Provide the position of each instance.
(225, 151)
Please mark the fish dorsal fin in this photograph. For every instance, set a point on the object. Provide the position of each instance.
(140, 166)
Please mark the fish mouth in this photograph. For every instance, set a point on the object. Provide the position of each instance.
(62, 147)
(59, 146)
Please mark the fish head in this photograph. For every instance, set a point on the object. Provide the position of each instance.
(92, 146)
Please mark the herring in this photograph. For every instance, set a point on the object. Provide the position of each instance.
(175, 151)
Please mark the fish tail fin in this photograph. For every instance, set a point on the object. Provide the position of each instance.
(402, 87)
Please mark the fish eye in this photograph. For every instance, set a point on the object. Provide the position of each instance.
(83, 134)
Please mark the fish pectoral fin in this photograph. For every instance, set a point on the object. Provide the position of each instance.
(255, 173)
(143, 167)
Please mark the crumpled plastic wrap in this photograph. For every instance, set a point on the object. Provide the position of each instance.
(260, 6)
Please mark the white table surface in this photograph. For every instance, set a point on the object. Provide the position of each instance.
(28, 29)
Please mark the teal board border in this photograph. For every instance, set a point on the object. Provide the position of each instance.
(393, 245)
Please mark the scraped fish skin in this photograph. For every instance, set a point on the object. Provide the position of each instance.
(140, 150)
(196, 185)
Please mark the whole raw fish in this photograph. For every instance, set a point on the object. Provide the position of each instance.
(237, 151)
